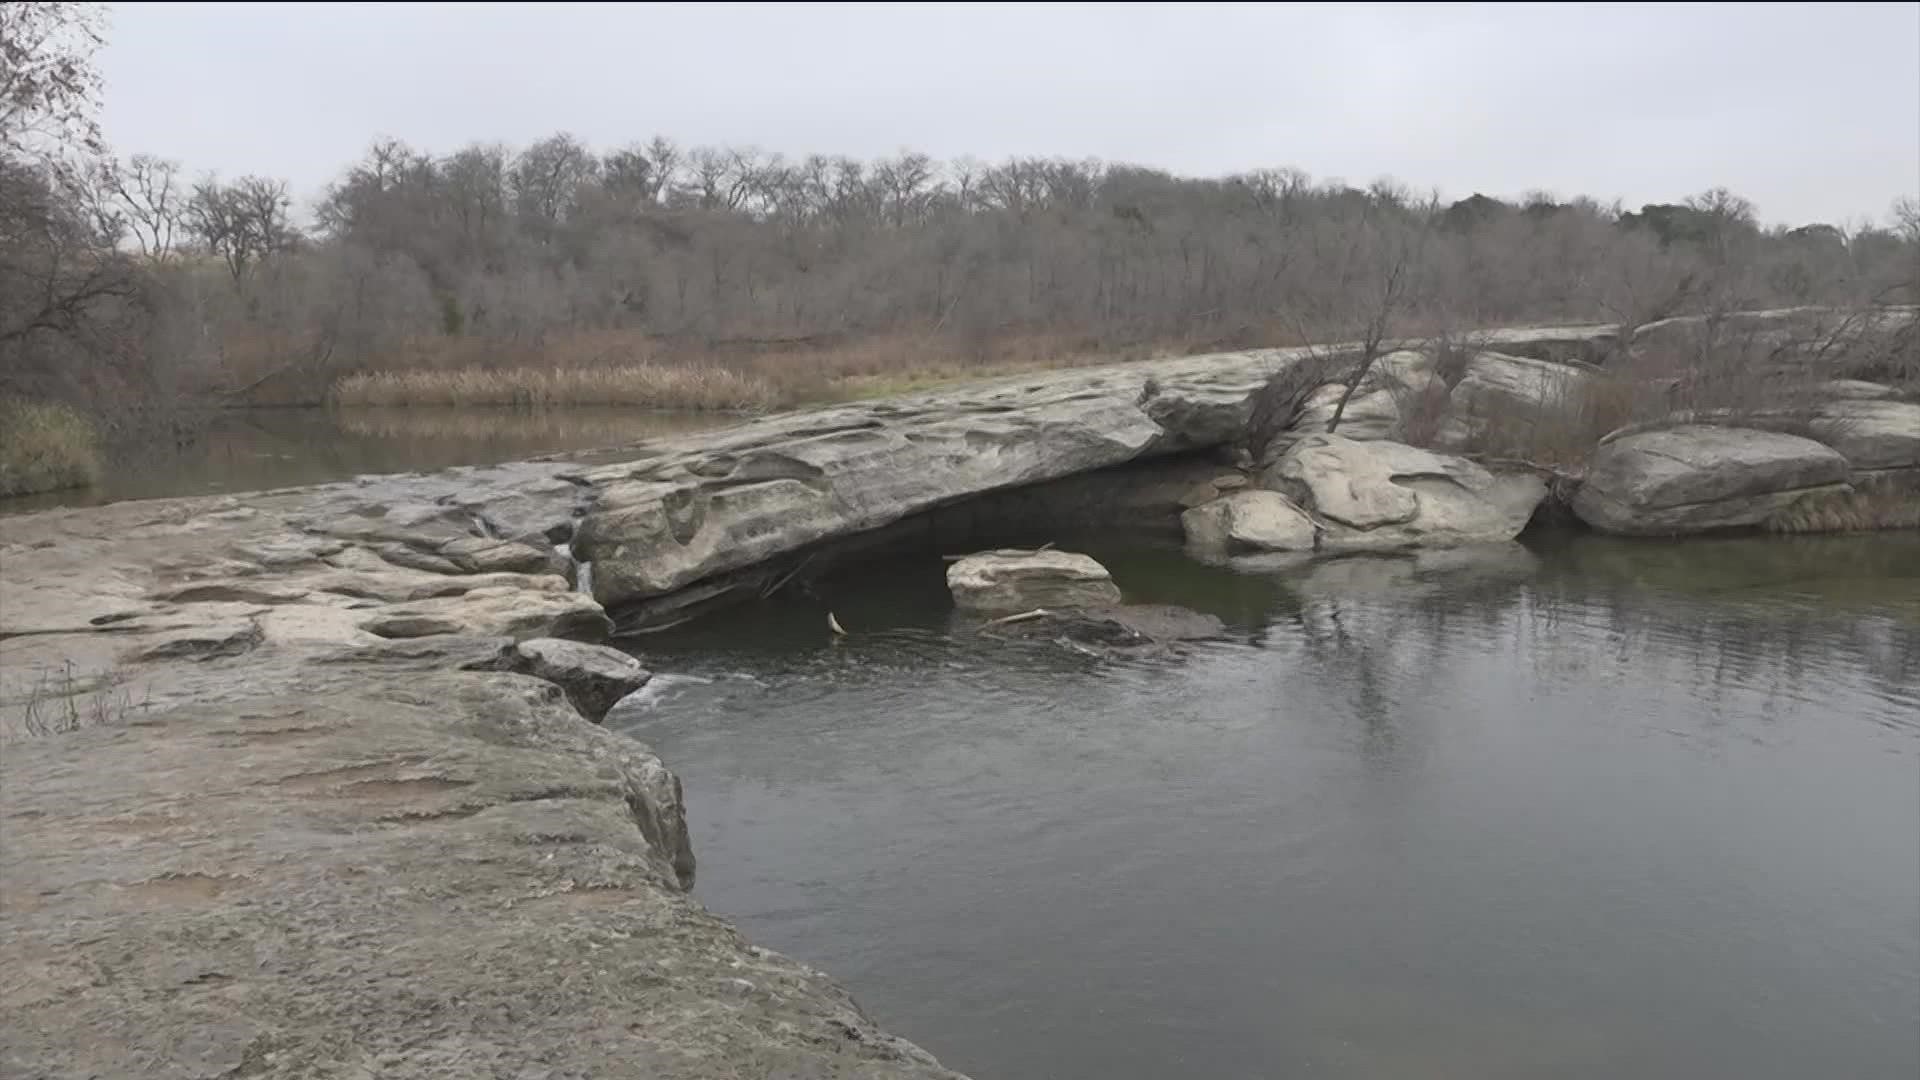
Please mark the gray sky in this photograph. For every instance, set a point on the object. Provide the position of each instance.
(1812, 111)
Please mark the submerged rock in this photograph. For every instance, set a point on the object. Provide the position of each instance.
(1697, 478)
(1121, 630)
(1011, 581)
(1379, 495)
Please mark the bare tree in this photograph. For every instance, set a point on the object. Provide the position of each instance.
(49, 88)
(242, 222)
(1390, 255)
(147, 194)
(548, 179)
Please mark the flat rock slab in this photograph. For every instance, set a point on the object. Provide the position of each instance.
(380, 873)
(1014, 581)
(1697, 478)
(510, 612)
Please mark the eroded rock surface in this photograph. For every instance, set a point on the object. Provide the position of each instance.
(1697, 478)
(247, 835)
(594, 677)
(722, 501)
(350, 870)
(1873, 435)
(1514, 390)
(1382, 495)
(1256, 520)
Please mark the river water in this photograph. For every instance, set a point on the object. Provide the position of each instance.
(1588, 809)
(258, 449)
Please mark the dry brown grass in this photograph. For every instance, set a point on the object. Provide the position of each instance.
(1876, 502)
(45, 447)
(745, 375)
(647, 386)
(572, 426)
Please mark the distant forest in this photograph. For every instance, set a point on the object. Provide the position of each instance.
(131, 284)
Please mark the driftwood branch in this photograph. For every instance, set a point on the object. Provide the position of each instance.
(1025, 616)
(1048, 546)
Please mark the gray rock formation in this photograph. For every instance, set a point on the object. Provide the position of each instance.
(518, 613)
(354, 871)
(1249, 521)
(1212, 488)
(1379, 495)
(1378, 409)
(1496, 388)
(1873, 435)
(1012, 581)
(1855, 390)
(700, 516)
(301, 849)
(728, 500)
(1697, 478)
(594, 677)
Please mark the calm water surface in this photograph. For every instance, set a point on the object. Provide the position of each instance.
(257, 449)
(1597, 809)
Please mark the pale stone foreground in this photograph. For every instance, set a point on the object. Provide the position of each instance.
(270, 805)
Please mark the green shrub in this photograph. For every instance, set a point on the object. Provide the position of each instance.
(45, 447)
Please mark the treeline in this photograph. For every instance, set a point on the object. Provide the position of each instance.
(128, 281)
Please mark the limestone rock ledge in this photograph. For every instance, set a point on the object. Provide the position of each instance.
(255, 825)
(361, 869)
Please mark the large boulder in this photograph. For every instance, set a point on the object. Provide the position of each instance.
(1013, 581)
(1871, 434)
(1697, 478)
(1497, 390)
(1378, 495)
(1378, 407)
(1249, 521)
(595, 677)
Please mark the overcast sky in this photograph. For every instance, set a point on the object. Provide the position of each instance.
(1812, 111)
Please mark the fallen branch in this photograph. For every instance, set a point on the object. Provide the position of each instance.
(1025, 616)
(781, 582)
(1048, 546)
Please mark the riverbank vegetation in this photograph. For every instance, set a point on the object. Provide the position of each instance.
(660, 275)
(639, 385)
(45, 446)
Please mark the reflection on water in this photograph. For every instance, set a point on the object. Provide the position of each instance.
(1593, 809)
(256, 449)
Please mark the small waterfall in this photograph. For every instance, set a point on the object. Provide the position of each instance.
(582, 571)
